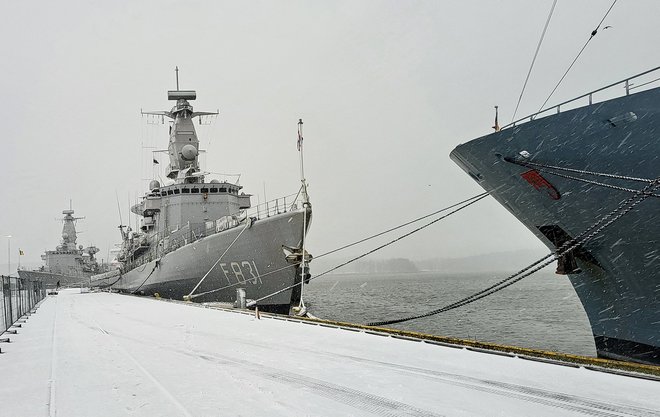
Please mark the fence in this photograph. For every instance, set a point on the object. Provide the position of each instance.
(19, 295)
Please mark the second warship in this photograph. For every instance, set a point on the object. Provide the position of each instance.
(585, 181)
(199, 240)
(68, 264)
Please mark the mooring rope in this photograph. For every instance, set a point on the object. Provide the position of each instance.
(248, 223)
(293, 265)
(548, 169)
(471, 201)
(622, 209)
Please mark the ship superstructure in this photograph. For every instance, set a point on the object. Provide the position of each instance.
(589, 175)
(199, 239)
(68, 263)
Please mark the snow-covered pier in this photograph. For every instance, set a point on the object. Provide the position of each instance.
(101, 354)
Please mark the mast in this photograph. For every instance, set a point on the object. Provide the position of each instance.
(183, 148)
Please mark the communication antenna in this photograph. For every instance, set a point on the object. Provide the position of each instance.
(176, 70)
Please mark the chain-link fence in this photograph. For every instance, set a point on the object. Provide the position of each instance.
(18, 296)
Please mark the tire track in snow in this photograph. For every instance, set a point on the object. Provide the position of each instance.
(552, 398)
(355, 398)
(161, 388)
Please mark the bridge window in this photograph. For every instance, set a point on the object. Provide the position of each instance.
(205, 190)
(194, 190)
(214, 190)
(223, 190)
(176, 191)
(185, 190)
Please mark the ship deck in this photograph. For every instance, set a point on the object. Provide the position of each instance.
(102, 354)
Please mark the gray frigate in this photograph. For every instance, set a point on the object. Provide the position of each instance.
(201, 240)
(69, 264)
(585, 182)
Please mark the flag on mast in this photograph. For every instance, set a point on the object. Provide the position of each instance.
(497, 125)
(300, 137)
(20, 252)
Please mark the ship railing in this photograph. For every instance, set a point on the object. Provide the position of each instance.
(274, 207)
(577, 102)
(160, 245)
(18, 297)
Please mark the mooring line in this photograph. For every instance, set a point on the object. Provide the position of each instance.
(473, 200)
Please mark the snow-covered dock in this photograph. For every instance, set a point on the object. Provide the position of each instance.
(100, 354)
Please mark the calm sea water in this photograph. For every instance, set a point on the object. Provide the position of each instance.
(541, 311)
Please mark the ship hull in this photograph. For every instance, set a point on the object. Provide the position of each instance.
(256, 262)
(51, 280)
(618, 280)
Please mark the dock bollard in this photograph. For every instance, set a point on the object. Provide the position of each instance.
(240, 298)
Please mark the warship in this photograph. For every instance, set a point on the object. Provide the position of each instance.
(68, 264)
(201, 240)
(585, 182)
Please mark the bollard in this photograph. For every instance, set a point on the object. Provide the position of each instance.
(240, 298)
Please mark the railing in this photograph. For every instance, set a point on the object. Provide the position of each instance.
(626, 83)
(19, 296)
(192, 233)
(273, 207)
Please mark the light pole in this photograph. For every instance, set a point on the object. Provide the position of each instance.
(8, 255)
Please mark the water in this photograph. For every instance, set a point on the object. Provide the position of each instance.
(540, 312)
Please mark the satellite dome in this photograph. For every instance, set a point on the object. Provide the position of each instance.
(188, 152)
(65, 235)
(80, 247)
(154, 184)
(215, 182)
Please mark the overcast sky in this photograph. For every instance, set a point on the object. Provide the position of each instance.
(386, 90)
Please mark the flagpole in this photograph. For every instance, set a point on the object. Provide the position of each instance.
(302, 310)
(302, 164)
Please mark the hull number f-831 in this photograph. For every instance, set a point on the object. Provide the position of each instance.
(243, 272)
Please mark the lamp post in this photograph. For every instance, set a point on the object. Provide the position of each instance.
(8, 255)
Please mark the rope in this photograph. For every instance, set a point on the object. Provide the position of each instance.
(622, 209)
(530, 164)
(538, 47)
(483, 195)
(403, 225)
(293, 265)
(541, 168)
(593, 33)
(145, 280)
(190, 295)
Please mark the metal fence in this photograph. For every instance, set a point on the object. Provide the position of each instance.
(19, 295)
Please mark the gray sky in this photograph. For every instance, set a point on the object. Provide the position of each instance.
(386, 89)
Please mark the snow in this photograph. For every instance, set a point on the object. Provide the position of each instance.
(100, 354)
